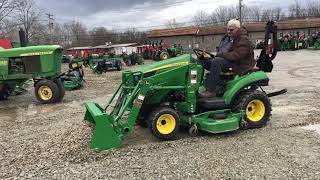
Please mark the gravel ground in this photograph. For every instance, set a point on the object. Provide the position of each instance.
(51, 141)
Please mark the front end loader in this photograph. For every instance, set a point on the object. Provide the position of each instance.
(163, 96)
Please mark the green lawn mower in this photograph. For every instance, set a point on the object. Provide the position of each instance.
(40, 63)
(164, 96)
(102, 64)
(73, 78)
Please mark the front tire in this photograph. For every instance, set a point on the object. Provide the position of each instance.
(257, 107)
(164, 123)
(47, 91)
(164, 56)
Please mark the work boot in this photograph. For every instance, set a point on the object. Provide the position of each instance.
(207, 94)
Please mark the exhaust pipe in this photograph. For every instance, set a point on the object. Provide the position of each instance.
(22, 37)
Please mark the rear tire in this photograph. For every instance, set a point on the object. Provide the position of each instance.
(164, 123)
(119, 65)
(134, 59)
(47, 91)
(5, 92)
(257, 107)
(61, 89)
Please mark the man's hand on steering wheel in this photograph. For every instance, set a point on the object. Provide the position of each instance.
(203, 55)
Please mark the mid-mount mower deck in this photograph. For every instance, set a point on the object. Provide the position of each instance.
(164, 96)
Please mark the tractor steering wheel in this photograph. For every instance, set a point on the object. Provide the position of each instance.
(203, 55)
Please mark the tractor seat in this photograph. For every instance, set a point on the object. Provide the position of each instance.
(212, 103)
(254, 69)
(227, 71)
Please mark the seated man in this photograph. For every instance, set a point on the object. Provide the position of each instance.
(235, 51)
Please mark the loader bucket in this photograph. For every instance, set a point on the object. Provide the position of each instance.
(106, 134)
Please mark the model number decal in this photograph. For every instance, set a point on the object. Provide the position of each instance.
(3, 63)
(37, 53)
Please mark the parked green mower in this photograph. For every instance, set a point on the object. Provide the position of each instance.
(315, 46)
(40, 63)
(164, 96)
(73, 78)
(101, 64)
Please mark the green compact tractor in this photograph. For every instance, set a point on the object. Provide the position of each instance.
(166, 53)
(164, 96)
(40, 63)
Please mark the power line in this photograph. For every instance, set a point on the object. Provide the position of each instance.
(50, 24)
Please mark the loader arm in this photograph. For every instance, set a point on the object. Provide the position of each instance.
(111, 128)
(117, 120)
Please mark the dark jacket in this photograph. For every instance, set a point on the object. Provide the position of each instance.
(241, 53)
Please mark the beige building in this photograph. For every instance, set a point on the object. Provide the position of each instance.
(208, 38)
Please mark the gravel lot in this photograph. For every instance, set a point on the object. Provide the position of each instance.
(51, 141)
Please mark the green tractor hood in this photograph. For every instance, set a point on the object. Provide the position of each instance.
(29, 51)
(169, 63)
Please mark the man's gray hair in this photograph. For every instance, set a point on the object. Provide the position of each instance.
(234, 23)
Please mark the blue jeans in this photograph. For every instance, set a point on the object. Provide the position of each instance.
(215, 67)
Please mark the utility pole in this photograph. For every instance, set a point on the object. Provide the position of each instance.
(50, 26)
(240, 12)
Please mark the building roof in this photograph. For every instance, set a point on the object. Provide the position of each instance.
(79, 48)
(101, 47)
(251, 27)
(115, 45)
(191, 30)
(123, 45)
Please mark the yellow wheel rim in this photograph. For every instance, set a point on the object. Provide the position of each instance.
(166, 123)
(255, 110)
(45, 93)
(206, 56)
(165, 56)
(74, 65)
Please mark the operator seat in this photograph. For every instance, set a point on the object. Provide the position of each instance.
(218, 102)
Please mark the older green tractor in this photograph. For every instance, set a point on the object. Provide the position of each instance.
(40, 63)
(164, 96)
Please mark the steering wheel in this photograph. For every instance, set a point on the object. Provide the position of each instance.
(202, 55)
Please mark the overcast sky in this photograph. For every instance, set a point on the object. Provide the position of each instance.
(122, 14)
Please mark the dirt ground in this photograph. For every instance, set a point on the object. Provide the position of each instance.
(51, 141)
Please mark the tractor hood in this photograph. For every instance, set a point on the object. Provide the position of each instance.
(29, 50)
(164, 64)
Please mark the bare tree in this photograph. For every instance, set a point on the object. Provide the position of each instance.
(6, 7)
(313, 8)
(246, 14)
(76, 34)
(100, 35)
(277, 14)
(266, 15)
(223, 14)
(255, 13)
(172, 23)
(201, 18)
(27, 16)
(297, 10)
